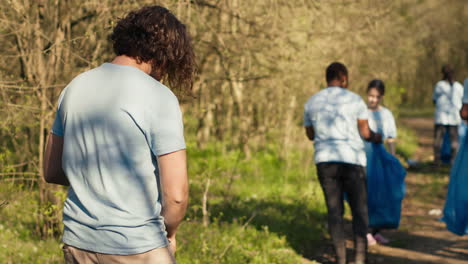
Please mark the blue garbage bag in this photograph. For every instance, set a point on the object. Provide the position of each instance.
(446, 149)
(462, 129)
(386, 188)
(456, 204)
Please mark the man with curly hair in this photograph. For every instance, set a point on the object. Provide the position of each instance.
(118, 142)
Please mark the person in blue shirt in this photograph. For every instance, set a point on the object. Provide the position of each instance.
(381, 121)
(447, 98)
(336, 120)
(118, 142)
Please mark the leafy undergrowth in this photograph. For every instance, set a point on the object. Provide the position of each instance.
(18, 243)
(261, 209)
(407, 142)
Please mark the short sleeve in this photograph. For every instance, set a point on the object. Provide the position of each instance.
(436, 92)
(57, 126)
(361, 108)
(465, 92)
(390, 126)
(165, 129)
(307, 119)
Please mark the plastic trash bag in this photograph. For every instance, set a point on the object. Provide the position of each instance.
(386, 188)
(456, 204)
(462, 129)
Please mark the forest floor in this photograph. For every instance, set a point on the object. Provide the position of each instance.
(422, 238)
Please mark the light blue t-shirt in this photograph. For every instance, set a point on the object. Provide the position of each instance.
(448, 102)
(333, 112)
(115, 121)
(383, 122)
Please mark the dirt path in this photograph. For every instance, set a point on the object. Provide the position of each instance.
(421, 238)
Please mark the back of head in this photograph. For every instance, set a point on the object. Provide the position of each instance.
(377, 84)
(448, 73)
(154, 35)
(336, 71)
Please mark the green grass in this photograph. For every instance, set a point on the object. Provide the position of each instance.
(275, 199)
(18, 243)
(407, 142)
(262, 209)
(233, 242)
(266, 208)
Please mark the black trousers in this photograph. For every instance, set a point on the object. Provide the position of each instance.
(336, 179)
(439, 132)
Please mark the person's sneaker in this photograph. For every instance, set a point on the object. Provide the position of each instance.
(380, 239)
(371, 240)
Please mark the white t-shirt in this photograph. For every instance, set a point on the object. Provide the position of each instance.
(382, 122)
(448, 102)
(333, 112)
(465, 93)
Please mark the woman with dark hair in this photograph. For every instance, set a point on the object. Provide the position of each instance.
(118, 142)
(381, 118)
(447, 98)
(381, 121)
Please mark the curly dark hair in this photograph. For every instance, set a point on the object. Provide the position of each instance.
(335, 70)
(154, 35)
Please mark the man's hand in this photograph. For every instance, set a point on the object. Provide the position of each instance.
(310, 132)
(391, 146)
(464, 112)
(172, 244)
(366, 133)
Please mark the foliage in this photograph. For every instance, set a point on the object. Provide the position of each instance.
(407, 142)
(270, 215)
(259, 61)
(233, 243)
(19, 243)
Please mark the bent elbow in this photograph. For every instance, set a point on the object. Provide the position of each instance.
(366, 136)
(180, 199)
(464, 114)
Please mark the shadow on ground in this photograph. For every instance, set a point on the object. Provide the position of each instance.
(303, 227)
(405, 248)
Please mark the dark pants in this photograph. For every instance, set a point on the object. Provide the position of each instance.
(336, 179)
(439, 132)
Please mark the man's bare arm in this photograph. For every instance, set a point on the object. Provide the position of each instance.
(366, 133)
(310, 132)
(464, 112)
(53, 171)
(174, 185)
